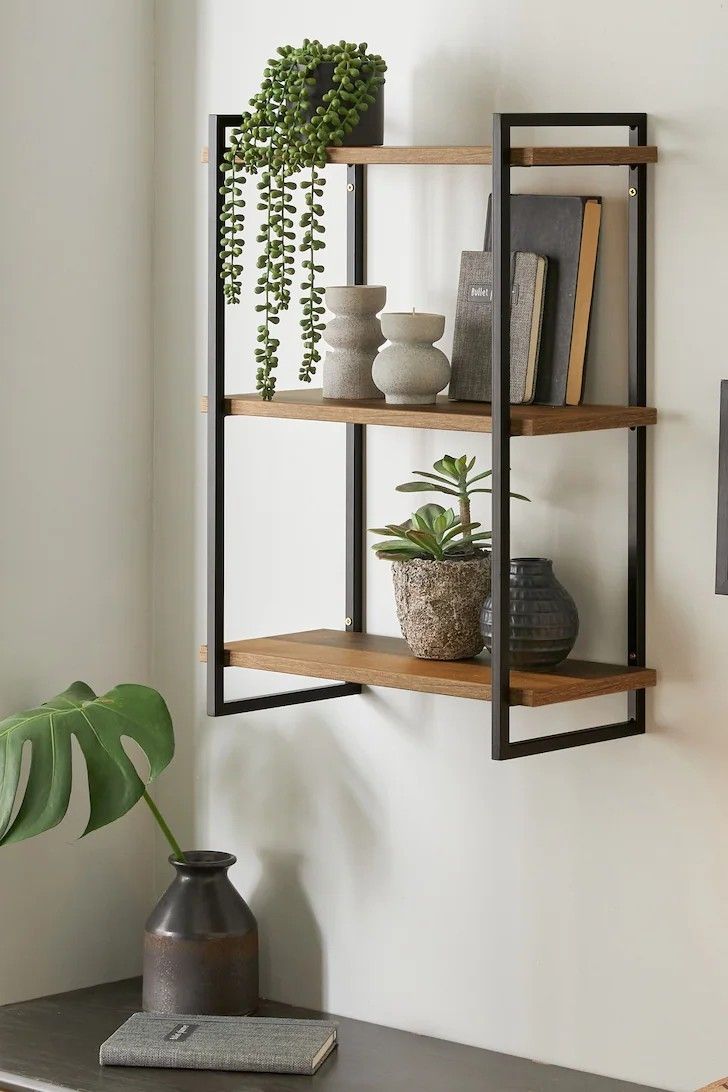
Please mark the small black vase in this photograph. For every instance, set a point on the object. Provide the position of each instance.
(369, 130)
(544, 621)
(201, 943)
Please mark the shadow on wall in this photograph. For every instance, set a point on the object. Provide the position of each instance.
(178, 352)
(460, 112)
(289, 928)
(453, 98)
(300, 798)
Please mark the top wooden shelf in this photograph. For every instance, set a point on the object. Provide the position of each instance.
(310, 405)
(482, 154)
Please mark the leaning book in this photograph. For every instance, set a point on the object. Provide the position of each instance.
(242, 1043)
(472, 366)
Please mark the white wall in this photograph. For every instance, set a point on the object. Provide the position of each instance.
(569, 907)
(76, 88)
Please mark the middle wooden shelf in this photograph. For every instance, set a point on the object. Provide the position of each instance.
(531, 420)
(387, 661)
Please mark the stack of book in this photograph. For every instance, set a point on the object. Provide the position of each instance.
(253, 1044)
(554, 244)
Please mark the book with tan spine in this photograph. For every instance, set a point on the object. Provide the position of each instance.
(565, 229)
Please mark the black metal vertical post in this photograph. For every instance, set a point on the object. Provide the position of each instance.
(216, 704)
(355, 434)
(501, 413)
(215, 429)
(637, 453)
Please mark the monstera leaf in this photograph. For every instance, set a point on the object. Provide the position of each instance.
(99, 724)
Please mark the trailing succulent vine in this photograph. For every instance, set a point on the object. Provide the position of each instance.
(279, 137)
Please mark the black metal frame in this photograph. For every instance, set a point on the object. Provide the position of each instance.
(217, 706)
(503, 747)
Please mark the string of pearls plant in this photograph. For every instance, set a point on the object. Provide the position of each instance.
(278, 138)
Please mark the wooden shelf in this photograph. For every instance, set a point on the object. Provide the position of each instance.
(387, 661)
(482, 155)
(310, 405)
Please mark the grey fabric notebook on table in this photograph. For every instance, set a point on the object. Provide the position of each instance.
(472, 365)
(250, 1044)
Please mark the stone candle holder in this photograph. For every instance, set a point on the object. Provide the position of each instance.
(410, 370)
(354, 335)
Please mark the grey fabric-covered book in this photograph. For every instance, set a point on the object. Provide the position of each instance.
(472, 369)
(244, 1043)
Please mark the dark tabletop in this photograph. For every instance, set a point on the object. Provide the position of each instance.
(52, 1044)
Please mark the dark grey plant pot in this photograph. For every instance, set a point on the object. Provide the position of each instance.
(201, 943)
(369, 130)
(544, 621)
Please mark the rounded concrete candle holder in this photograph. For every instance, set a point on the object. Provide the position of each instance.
(410, 370)
(354, 335)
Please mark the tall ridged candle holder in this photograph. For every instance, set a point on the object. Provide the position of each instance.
(354, 335)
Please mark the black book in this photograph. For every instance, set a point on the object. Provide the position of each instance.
(558, 228)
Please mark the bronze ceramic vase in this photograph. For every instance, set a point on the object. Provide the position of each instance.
(201, 943)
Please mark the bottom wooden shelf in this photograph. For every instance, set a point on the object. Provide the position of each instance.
(387, 661)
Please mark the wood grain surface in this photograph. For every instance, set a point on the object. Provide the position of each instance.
(52, 1045)
(387, 661)
(482, 155)
(310, 405)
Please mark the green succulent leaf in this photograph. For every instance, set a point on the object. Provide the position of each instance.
(99, 725)
(428, 542)
(446, 465)
(433, 477)
(440, 532)
(425, 487)
(385, 531)
(429, 513)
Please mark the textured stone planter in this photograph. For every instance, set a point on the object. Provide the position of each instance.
(439, 604)
(354, 334)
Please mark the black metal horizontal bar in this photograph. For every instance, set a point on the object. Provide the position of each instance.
(563, 740)
(289, 697)
(547, 120)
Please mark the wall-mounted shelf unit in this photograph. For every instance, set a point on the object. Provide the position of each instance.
(352, 658)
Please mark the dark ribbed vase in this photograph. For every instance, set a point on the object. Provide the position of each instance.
(201, 943)
(369, 130)
(544, 621)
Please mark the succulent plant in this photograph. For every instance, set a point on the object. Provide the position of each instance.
(454, 479)
(280, 136)
(432, 532)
